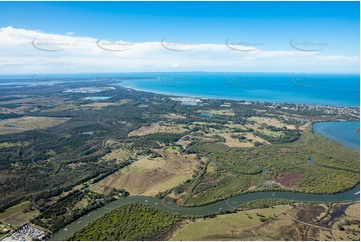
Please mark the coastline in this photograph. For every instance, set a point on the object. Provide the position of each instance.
(204, 97)
(214, 207)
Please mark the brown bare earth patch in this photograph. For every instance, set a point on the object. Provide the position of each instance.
(289, 179)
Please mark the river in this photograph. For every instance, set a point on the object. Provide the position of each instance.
(323, 128)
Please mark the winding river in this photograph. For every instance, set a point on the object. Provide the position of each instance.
(233, 202)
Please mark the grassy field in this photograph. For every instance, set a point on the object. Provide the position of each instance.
(149, 176)
(226, 112)
(348, 226)
(157, 128)
(271, 133)
(303, 222)
(173, 147)
(18, 214)
(272, 122)
(224, 227)
(16, 125)
(98, 105)
(234, 142)
(129, 222)
(117, 154)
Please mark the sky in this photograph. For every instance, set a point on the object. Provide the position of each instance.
(88, 37)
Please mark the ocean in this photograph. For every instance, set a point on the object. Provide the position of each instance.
(323, 89)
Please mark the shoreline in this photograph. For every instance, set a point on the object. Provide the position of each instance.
(328, 136)
(119, 82)
(234, 99)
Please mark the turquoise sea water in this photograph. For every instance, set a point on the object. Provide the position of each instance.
(324, 89)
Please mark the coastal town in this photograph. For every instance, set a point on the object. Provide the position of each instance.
(349, 111)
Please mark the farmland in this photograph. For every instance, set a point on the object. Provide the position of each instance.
(22, 124)
(64, 154)
(150, 176)
(280, 222)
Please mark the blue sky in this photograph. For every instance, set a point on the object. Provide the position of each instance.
(272, 24)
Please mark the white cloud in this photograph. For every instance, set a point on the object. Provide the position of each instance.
(32, 51)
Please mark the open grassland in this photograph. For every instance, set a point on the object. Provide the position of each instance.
(348, 226)
(18, 214)
(271, 133)
(226, 112)
(129, 222)
(236, 126)
(149, 176)
(31, 100)
(16, 125)
(235, 142)
(99, 105)
(157, 128)
(117, 154)
(225, 227)
(353, 210)
(298, 221)
(272, 122)
(255, 138)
